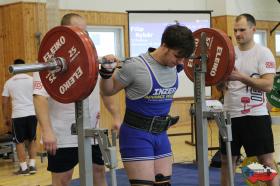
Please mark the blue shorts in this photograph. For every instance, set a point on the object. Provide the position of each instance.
(139, 145)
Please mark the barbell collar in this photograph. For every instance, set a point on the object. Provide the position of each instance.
(55, 65)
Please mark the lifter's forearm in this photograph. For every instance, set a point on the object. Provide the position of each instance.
(111, 86)
(112, 107)
(106, 87)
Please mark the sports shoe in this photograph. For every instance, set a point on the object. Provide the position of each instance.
(22, 172)
(32, 170)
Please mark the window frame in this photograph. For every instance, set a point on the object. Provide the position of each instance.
(277, 53)
(262, 32)
(119, 39)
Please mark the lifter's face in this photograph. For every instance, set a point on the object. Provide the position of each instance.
(173, 57)
(78, 22)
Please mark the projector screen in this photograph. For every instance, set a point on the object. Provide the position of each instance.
(146, 28)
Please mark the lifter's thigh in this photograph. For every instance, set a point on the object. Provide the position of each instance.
(140, 170)
(164, 166)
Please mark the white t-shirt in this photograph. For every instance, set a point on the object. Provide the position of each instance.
(240, 99)
(62, 115)
(19, 88)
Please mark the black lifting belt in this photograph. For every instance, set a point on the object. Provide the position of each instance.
(156, 124)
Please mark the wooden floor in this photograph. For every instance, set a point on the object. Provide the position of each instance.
(182, 153)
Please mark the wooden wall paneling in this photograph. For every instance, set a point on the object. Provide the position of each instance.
(11, 41)
(104, 19)
(19, 22)
(13, 29)
(219, 22)
(3, 128)
(180, 107)
(271, 43)
(35, 21)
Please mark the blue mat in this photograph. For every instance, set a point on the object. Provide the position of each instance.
(183, 175)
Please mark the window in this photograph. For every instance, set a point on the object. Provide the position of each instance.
(260, 37)
(107, 40)
(277, 43)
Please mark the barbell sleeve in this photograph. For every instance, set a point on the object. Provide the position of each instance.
(55, 64)
(194, 57)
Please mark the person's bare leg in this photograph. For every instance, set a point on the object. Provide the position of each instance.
(163, 167)
(62, 179)
(99, 177)
(32, 149)
(267, 159)
(20, 147)
(147, 170)
(224, 169)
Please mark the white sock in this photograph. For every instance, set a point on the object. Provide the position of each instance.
(23, 166)
(32, 162)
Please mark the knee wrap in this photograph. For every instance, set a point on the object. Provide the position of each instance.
(162, 180)
(141, 182)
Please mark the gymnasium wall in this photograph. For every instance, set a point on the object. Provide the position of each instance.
(18, 24)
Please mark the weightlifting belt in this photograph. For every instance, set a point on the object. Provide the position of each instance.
(156, 124)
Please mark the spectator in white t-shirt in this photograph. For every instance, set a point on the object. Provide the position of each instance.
(23, 121)
(244, 99)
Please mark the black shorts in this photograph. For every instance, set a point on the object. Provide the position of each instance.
(67, 158)
(254, 133)
(24, 128)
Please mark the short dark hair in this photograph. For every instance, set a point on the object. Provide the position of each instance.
(66, 19)
(250, 19)
(180, 38)
(19, 61)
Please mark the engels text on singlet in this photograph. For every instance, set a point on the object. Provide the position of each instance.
(161, 93)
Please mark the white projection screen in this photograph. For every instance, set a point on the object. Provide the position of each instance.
(146, 28)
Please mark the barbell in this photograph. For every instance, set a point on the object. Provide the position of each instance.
(68, 63)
